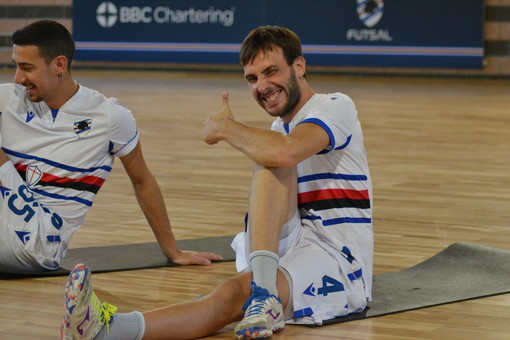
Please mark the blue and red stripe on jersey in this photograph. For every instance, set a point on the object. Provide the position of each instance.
(334, 198)
(350, 194)
(85, 183)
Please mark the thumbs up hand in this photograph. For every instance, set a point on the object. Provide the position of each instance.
(215, 123)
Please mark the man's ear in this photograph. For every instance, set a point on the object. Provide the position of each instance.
(60, 64)
(300, 67)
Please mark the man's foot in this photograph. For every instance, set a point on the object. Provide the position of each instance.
(84, 315)
(263, 316)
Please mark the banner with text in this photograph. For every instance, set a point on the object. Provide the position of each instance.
(393, 33)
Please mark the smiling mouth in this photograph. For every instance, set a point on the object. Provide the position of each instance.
(273, 96)
(29, 88)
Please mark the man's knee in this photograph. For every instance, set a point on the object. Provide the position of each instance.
(277, 172)
(234, 293)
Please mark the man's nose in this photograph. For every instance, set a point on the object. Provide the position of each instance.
(262, 85)
(19, 77)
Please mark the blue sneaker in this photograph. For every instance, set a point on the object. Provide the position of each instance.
(84, 315)
(263, 316)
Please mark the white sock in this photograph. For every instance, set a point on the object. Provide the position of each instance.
(264, 265)
(125, 326)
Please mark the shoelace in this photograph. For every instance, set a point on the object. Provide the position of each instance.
(257, 307)
(256, 293)
(104, 310)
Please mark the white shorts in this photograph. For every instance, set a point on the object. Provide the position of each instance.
(30, 234)
(325, 282)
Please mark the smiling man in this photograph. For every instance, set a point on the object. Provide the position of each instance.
(306, 252)
(58, 142)
(309, 228)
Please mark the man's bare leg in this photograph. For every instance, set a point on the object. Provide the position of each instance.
(207, 315)
(198, 318)
(86, 317)
(272, 202)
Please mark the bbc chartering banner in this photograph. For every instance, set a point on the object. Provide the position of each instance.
(395, 33)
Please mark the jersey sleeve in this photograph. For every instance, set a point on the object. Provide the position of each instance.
(124, 133)
(337, 115)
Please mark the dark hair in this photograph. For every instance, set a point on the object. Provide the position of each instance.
(266, 38)
(51, 37)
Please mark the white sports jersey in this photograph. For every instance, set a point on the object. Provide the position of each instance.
(65, 156)
(334, 186)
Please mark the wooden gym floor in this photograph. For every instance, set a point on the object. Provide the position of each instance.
(440, 163)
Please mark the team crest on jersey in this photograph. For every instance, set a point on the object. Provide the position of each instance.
(82, 127)
(34, 174)
(370, 11)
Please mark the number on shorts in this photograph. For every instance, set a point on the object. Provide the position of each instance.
(330, 285)
(27, 209)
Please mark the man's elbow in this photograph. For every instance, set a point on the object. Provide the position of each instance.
(284, 159)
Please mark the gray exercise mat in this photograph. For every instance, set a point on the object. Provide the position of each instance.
(132, 256)
(462, 271)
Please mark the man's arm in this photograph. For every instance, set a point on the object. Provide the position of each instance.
(265, 147)
(151, 202)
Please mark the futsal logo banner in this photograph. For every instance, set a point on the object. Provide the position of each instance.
(370, 11)
(396, 33)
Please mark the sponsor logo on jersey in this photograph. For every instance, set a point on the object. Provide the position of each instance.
(24, 236)
(5, 192)
(33, 175)
(370, 11)
(30, 116)
(310, 290)
(82, 127)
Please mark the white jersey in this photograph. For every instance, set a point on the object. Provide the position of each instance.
(334, 186)
(64, 156)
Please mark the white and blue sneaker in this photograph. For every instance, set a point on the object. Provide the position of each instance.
(84, 315)
(263, 316)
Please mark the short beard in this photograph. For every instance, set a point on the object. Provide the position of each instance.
(293, 96)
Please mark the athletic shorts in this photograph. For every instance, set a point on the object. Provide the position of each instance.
(325, 282)
(30, 233)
